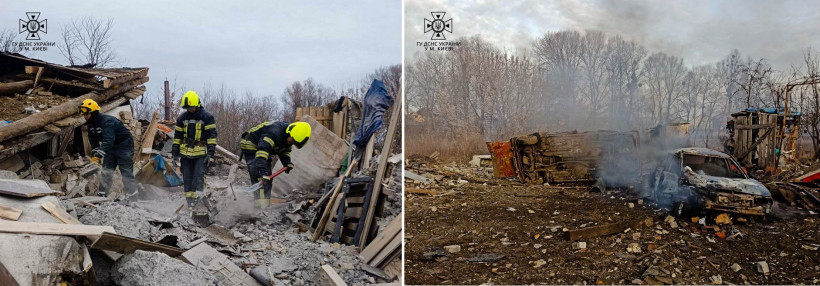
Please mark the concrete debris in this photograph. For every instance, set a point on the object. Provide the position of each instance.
(716, 279)
(143, 268)
(579, 245)
(126, 221)
(453, 248)
(735, 267)
(634, 248)
(762, 267)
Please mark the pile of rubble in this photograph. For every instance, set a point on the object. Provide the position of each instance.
(466, 227)
(50, 216)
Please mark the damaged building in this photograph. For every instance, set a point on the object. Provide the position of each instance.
(52, 217)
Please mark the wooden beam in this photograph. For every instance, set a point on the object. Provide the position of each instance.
(387, 251)
(53, 228)
(757, 142)
(227, 154)
(384, 238)
(320, 228)
(124, 244)
(327, 276)
(148, 138)
(10, 213)
(7, 88)
(600, 230)
(66, 109)
(109, 82)
(395, 118)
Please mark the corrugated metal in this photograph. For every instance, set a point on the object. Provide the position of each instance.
(314, 164)
(502, 159)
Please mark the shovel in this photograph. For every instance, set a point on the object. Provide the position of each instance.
(257, 186)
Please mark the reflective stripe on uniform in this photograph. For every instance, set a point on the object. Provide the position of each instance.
(198, 132)
(178, 128)
(270, 141)
(246, 144)
(211, 141)
(257, 127)
(262, 154)
(210, 126)
(190, 195)
(177, 141)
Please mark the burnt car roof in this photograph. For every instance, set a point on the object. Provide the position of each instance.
(700, 151)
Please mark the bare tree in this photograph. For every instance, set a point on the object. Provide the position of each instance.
(664, 76)
(7, 38)
(87, 41)
(305, 93)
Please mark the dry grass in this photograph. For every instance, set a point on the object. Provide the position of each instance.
(461, 148)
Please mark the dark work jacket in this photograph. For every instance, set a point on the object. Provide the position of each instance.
(195, 134)
(106, 133)
(268, 138)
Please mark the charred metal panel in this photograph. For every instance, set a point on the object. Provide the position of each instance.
(576, 157)
(502, 159)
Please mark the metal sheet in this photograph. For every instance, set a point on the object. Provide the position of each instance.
(502, 159)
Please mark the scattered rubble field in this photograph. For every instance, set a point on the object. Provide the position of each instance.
(465, 227)
(14, 107)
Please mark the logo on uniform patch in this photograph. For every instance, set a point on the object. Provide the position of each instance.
(438, 26)
(32, 26)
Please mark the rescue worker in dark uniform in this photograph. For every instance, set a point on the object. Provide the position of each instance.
(112, 144)
(194, 145)
(264, 140)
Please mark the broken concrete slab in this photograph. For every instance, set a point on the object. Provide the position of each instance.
(316, 162)
(122, 244)
(417, 177)
(208, 259)
(38, 259)
(131, 222)
(26, 188)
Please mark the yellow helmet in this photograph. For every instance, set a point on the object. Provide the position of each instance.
(300, 132)
(190, 99)
(88, 106)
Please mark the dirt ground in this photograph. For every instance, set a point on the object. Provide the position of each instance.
(490, 218)
(14, 107)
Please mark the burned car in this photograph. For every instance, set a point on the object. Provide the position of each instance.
(690, 179)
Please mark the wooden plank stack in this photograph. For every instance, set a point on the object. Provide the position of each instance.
(385, 247)
(110, 87)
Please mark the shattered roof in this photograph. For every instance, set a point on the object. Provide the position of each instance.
(83, 73)
(701, 151)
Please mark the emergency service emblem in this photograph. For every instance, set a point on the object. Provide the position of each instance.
(438, 26)
(33, 26)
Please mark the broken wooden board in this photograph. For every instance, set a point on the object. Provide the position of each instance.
(37, 259)
(124, 244)
(327, 276)
(206, 258)
(26, 188)
(316, 162)
(91, 199)
(60, 214)
(220, 234)
(5, 277)
(422, 192)
(383, 239)
(10, 213)
(601, 230)
(53, 228)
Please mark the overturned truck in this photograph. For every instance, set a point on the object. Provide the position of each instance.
(576, 157)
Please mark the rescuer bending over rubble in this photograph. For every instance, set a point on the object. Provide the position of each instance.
(194, 145)
(265, 139)
(112, 144)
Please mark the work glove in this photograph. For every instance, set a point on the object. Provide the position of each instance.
(289, 167)
(95, 160)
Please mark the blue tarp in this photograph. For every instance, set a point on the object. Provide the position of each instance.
(376, 102)
(171, 176)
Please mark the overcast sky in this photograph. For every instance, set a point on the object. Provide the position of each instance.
(260, 46)
(699, 31)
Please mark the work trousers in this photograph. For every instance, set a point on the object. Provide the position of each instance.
(122, 156)
(258, 168)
